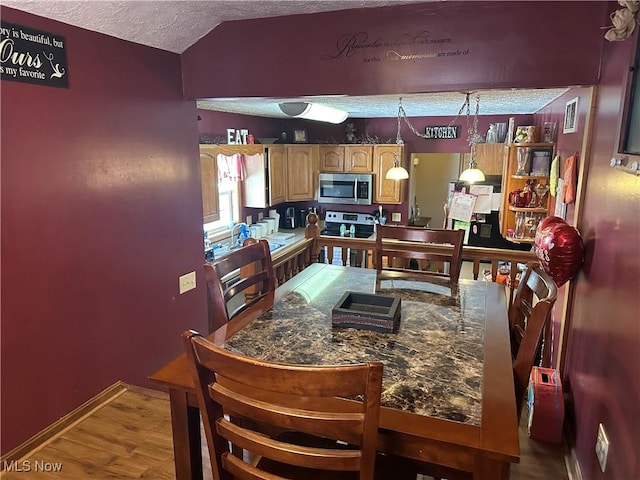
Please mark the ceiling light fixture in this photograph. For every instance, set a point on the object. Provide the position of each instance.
(313, 111)
(473, 173)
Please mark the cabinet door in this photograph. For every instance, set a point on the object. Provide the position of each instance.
(331, 158)
(300, 172)
(386, 191)
(254, 188)
(209, 183)
(277, 175)
(358, 158)
(489, 158)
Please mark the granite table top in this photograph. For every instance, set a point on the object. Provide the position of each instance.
(433, 365)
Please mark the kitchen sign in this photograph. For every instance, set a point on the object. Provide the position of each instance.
(32, 56)
(442, 131)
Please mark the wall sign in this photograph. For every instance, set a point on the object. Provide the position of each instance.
(237, 137)
(442, 131)
(32, 56)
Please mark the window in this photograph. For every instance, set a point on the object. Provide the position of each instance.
(228, 204)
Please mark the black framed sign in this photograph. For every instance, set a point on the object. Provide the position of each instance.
(32, 56)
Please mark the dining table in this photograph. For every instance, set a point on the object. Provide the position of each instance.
(448, 391)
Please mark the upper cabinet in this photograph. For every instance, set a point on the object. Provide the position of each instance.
(346, 158)
(277, 165)
(209, 183)
(331, 158)
(358, 158)
(264, 182)
(301, 172)
(387, 191)
(525, 189)
(490, 158)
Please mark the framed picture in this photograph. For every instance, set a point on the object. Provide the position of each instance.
(571, 116)
(541, 161)
(300, 136)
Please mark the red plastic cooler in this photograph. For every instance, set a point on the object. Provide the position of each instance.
(546, 405)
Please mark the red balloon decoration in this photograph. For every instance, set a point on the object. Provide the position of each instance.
(559, 249)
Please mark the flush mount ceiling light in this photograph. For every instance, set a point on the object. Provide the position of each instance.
(313, 111)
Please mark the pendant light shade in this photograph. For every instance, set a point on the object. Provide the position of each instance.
(313, 111)
(472, 175)
(397, 173)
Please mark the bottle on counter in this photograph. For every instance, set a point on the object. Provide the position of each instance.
(352, 230)
(343, 229)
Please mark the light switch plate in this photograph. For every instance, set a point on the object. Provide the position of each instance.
(260, 216)
(396, 217)
(187, 282)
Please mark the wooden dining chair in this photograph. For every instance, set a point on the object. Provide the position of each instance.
(325, 437)
(529, 315)
(237, 281)
(409, 243)
(536, 289)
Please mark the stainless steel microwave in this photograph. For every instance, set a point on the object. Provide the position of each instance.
(345, 188)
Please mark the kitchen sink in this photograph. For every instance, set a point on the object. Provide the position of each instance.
(222, 250)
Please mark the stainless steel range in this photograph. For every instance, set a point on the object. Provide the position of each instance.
(347, 224)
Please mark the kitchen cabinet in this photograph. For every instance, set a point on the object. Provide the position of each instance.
(302, 166)
(518, 222)
(489, 158)
(346, 158)
(387, 191)
(264, 184)
(209, 183)
(358, 158)
(331, 158)
(277, 162)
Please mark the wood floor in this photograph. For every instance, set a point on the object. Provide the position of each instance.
(130, 438)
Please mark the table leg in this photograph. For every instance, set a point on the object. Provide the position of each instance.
(486, 469)
(185, 425)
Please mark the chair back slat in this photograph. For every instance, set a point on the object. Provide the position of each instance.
(264, 398)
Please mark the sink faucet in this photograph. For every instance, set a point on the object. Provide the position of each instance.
(232, 243)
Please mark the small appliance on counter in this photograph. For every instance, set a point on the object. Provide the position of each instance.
(288, 219)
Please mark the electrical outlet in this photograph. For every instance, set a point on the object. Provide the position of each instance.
(260, 216)
(602, 447)
(187, 282)
(249, 219)
(396, 217)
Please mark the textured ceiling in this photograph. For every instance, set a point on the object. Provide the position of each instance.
(492, 102)
(176, 25)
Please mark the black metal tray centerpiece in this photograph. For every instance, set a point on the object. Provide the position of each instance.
(367, 311)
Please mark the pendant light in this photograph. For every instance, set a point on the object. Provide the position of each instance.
(398, 172)
(473, 173)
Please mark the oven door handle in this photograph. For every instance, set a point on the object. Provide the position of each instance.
(355, 191)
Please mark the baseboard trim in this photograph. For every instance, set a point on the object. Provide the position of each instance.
(42, 438)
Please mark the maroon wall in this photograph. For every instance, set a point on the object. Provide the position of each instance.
(494, 45)
(603, 363)
(101, 212)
